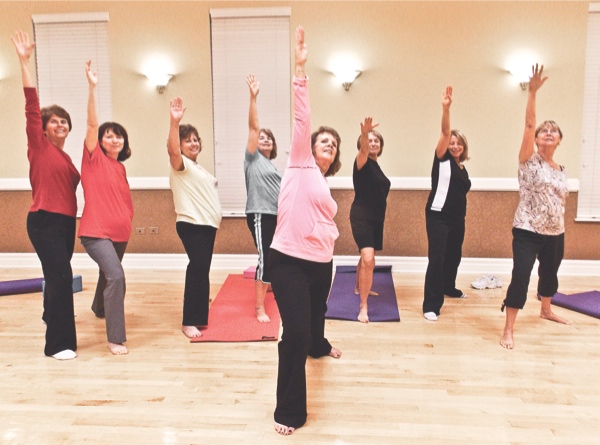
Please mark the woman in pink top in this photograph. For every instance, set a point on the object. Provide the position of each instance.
(301, 256)
(51, 218)
(106, 221)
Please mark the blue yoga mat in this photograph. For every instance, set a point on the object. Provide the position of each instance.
(343, 303)
(587, 303)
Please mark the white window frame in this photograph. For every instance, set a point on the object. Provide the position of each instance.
(588, 204)
(63, 43)
(244, 41)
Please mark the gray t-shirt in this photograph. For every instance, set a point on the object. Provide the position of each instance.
(262, 184)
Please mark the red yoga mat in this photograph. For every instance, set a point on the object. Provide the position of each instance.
(232, 318)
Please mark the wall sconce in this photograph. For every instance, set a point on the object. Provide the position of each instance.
(521, 75)
(347, 77)
(160, 80)
(519, 65)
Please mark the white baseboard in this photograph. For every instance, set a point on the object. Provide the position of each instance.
(159, 261)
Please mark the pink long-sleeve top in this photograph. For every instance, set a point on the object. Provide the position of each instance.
(305, 226)
(52, 175)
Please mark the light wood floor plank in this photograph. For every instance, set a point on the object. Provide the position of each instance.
(413, 382)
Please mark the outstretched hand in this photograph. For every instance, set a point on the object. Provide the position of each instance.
(92, 76)
(22, 45)
(253, 84)
(536, 80)
(367, 126)
(447, 97)
(301, 51)
(177, 109)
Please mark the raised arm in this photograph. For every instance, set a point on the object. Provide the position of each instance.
(363, 152)
(535, 83)
(301, 53)
(91, 133)
(446, 134)
(173, 144)
(24, 50)
(253, 125)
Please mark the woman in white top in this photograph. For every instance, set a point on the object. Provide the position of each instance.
(539, 226)
(198, 216)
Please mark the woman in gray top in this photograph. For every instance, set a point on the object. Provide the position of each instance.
(262, 185)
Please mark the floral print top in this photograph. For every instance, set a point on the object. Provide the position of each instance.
(543, 192)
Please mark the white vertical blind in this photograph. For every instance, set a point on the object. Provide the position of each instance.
(588, 206)
(248, 41)
(63, 43)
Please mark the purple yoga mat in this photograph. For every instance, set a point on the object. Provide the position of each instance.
(343, 303)
(21, 286)
(587, 303)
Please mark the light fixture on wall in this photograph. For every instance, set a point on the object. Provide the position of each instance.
(344, 66)
(521, 75)
(347, 76)
(157, 68)
(519, 66)
(160, 80)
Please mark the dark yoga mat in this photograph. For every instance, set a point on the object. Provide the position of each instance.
(587, 303)
(343, 303)
(32, 285)
(21, 286)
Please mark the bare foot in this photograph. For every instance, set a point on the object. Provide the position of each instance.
(191, 331)
(363, 315)
(261, 315)
(507, 339)
(549, 315)
(284, 430)
(372, 293)
(335, 353)
(117, 349)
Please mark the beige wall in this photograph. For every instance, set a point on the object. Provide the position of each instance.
(409, 52)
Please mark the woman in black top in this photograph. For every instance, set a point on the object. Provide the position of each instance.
(367, 214)
(445, 214)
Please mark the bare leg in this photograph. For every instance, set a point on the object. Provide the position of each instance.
(546, 311)
(261, 291)
(117, 349)
(191, 331)
(335, 353)
(364, 274)
(284, 430)
(507, 338)
(372, 293)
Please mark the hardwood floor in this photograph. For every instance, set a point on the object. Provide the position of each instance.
(413, 382)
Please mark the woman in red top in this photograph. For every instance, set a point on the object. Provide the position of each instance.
(106, 221)
(51, 218)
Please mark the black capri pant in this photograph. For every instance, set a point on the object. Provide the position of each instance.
(527, 246)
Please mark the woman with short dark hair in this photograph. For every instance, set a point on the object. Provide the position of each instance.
(51, 217)
(301, 257)
(198, 216)
(105, 225)
(262, 186)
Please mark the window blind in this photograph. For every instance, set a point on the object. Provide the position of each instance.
(588, 205)
(63, 43)
(248, 41)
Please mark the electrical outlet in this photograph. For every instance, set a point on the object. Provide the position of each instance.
(140, 230)
(153, 230)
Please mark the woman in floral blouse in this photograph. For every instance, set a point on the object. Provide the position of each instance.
(539, 226)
